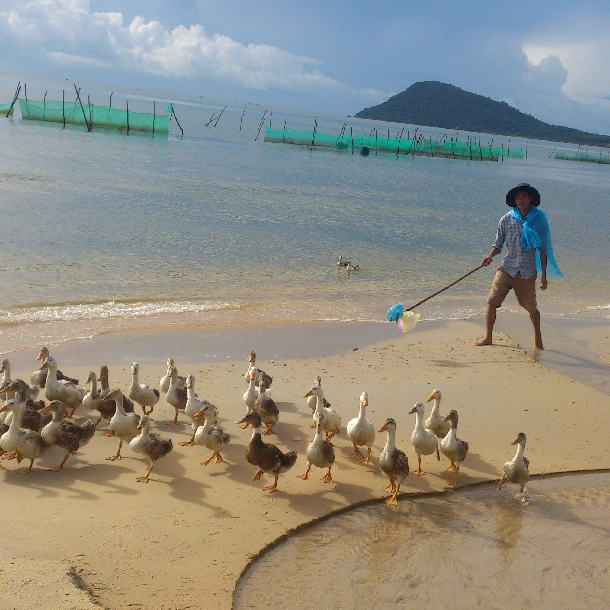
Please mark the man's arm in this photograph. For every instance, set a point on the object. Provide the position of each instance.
(498, 243)
(543, 282)
(487, 260)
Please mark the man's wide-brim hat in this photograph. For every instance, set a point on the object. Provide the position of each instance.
(510, 196)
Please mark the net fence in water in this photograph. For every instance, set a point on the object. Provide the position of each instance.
(97, 116)
(583, 156)
(446, 147)
(4, 108)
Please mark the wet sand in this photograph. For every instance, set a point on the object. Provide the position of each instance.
(476, 548)
(186, 537)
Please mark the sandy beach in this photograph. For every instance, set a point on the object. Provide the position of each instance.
(183, 540)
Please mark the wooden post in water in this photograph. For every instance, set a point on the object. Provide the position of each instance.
(503, 152)
(351, 135)
(127, 104)
(270, 119)
(375, 142)
(242, 118)
(284, 131)
(111, 94)
(25, 91)
(63, 106)
(154, 115)
(526, 145)
(44, 101)
(90, 117)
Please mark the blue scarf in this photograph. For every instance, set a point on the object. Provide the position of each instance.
(535, 233)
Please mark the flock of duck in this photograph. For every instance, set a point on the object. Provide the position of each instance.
(29, 427)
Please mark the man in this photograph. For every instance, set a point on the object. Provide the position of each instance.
(525, 231)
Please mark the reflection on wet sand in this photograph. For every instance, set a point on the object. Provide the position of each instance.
(475, 548)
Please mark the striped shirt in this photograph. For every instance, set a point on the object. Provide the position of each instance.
(516, 260)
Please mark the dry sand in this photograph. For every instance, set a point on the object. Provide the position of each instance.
(183, 540)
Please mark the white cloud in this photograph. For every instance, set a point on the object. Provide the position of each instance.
(68, 33)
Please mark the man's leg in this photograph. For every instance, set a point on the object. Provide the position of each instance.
(490, 320)
(535, 318)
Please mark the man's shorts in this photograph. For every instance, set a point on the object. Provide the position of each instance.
(525, 290)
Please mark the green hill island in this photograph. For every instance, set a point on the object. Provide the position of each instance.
(436, 104)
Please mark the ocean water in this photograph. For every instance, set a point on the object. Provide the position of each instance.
(102, 231)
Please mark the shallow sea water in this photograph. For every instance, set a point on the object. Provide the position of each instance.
(102, 231)
(474, 548)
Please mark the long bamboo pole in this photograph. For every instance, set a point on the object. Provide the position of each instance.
(442, 289)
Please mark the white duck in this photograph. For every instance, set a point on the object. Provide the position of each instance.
(320, 453)
(23, 443)
(150, 445)
(39, 377)
(251, 394)
(517, 469)
(6, 379)
(124, 425)
(454, 448)
(312, 401)
(361, 431)
(193, 406)
(424, 441)
(164, 381)
(210, 436)
(65, 391)
(331, 422)
(176, 395)
(436, 422)
(93, 397)
(140, 392)
(260, 374)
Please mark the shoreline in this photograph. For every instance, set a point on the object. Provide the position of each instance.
(576, 347)
(193, 520)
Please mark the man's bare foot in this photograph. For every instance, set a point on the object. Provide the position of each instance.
(485, 341)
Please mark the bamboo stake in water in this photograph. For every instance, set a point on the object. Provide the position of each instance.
(313, 135)
(242, 117)
(218, 118)
(63, 106)
(111, 94)
(15, 97)
(260, 126)
(81, 107)
(177, 122)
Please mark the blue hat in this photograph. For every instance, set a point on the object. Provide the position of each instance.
(510, 196)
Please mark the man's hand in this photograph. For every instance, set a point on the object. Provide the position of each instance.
(486, 261)
(543, 283)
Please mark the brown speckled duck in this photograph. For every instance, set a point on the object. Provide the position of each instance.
(267, 457)
(65, 433)
(260, 375)
(148, 443)
(393, 462)
(266, 408)
(32, 417)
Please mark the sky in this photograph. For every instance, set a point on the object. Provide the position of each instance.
(550, 59)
